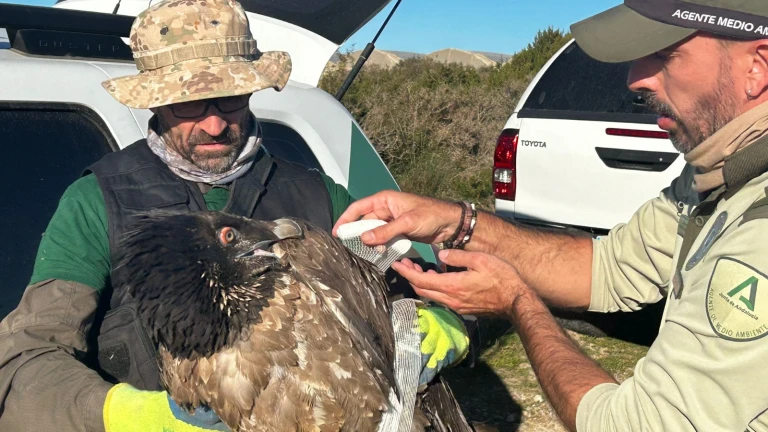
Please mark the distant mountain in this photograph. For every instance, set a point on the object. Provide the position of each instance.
(387, 58)
(497, 57)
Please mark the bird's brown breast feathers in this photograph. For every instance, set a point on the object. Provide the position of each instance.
(295, 370)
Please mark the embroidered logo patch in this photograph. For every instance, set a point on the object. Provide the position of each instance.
(737, 301)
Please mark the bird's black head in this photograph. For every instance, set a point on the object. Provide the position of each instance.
(198, 278)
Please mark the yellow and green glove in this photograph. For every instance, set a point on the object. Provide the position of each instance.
(444, 340)
(129, 409)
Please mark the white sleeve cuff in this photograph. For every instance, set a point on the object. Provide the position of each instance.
(591, 405)
(597, 291)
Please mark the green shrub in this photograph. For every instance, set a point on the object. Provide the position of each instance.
(435, 124)
(527, 63)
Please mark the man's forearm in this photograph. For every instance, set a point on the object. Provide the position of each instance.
(564, 372)
(547, 260)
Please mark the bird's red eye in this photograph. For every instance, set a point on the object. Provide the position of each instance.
(227, 235)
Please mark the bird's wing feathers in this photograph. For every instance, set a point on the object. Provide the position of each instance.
(351, 288)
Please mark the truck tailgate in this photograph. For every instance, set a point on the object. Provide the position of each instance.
(567, 168)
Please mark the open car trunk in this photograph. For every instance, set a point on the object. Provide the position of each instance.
(309, 30)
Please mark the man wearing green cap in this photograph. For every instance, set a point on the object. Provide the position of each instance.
(703, 66)
(198, 66)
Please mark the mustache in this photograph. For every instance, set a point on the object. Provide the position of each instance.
(228, 136)
(654, 104)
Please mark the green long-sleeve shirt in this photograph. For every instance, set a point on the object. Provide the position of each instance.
(75, 246)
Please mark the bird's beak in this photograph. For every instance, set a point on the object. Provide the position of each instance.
(259, 250)
(284, 229)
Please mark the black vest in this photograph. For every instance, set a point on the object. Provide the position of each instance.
(134, 180)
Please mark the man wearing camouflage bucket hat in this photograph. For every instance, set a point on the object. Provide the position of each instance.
(214, 56)
(198, 65)
(703, 66)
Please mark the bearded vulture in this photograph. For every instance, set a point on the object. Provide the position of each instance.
(274, 325)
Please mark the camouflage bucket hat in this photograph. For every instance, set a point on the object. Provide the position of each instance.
(189, 50)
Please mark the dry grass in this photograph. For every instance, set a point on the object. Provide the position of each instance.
(441, 143)
(502, 390)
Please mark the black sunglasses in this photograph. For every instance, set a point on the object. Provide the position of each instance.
(196, 109)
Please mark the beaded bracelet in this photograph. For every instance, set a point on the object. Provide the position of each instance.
(448, 243)
(466, 225)
(468, 235)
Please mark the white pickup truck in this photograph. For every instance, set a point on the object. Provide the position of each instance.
(582, 152)
(580, 149)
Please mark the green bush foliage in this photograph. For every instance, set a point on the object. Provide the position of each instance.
(435, 124)
(527, 63)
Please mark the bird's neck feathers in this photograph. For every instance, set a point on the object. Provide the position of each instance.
(198, 315)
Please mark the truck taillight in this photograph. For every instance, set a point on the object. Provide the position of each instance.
(504, 165)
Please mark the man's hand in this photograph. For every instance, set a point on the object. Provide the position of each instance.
(419, 218)
(488, 287)
(129, 409)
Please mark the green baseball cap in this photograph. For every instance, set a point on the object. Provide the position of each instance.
(639, 28)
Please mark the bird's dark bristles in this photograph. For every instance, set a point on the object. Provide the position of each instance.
(195, 294)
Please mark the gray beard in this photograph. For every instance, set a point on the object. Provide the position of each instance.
(710, 113)
(211, 163)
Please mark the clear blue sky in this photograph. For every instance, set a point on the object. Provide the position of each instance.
(503, 26)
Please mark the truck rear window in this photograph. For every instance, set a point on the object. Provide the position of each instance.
(45, 148)
(577, 84)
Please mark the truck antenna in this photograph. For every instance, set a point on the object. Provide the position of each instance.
(363, 57)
